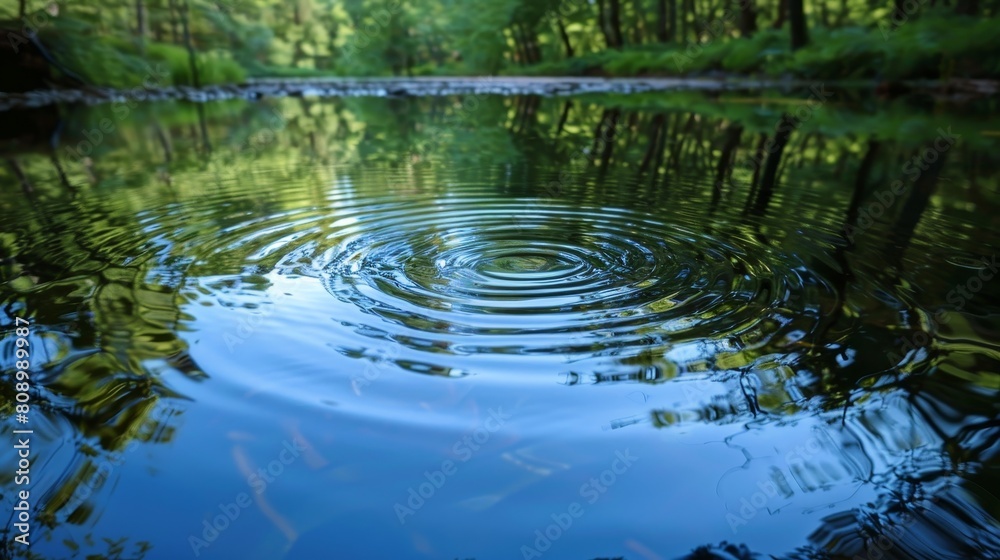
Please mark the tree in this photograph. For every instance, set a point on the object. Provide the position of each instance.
(140, 24)
(615, 21)
(192, 58)
(661, 21)
(564, 36)
(797, 22)
(748, 18)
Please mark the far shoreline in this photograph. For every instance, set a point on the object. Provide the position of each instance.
(273, 87)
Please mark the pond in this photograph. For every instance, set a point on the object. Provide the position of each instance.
(490, 327)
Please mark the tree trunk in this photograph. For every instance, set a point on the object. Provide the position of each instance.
(661, 21)
(140, 19)
(695, 25)
(769, 176)
(661, 140)
(531, 52)
(967, 7)
(606, 132)
(732, 141)
(779, 20)
(164, 143)
(203, 125)
(519, 49)
(22, 10)
(639, 29)
(824, 14)
(758, 156)
(565, 38)
(797, 21)
(536, 53)
(920, 194)
(615, 20)
(679, 143)
(673, 20)
(609, 39)
(682, 35)
(562, 118)
(525, 47)
(654, 141)
(598, 131)
(192, 57)
(861, 184)
(897, 11)
(25, 182)
(748, 18)
(610, 132)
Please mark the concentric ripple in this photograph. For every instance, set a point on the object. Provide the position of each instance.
(501, 276)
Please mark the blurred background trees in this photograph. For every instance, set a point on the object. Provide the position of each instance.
(229, 40)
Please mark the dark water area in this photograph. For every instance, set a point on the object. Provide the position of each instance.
(507, 327)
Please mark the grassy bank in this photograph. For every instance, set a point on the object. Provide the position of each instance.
(935, 47)
(938, 45)
(119, 62)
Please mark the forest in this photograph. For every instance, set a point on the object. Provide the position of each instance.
(107, 42)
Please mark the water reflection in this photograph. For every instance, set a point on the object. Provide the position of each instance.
(765, 317)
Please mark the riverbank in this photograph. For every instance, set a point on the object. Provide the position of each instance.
(944, 48)
(939, 48)
(67, 52)
(151, 90)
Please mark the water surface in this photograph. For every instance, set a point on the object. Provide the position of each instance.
(490, 327)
